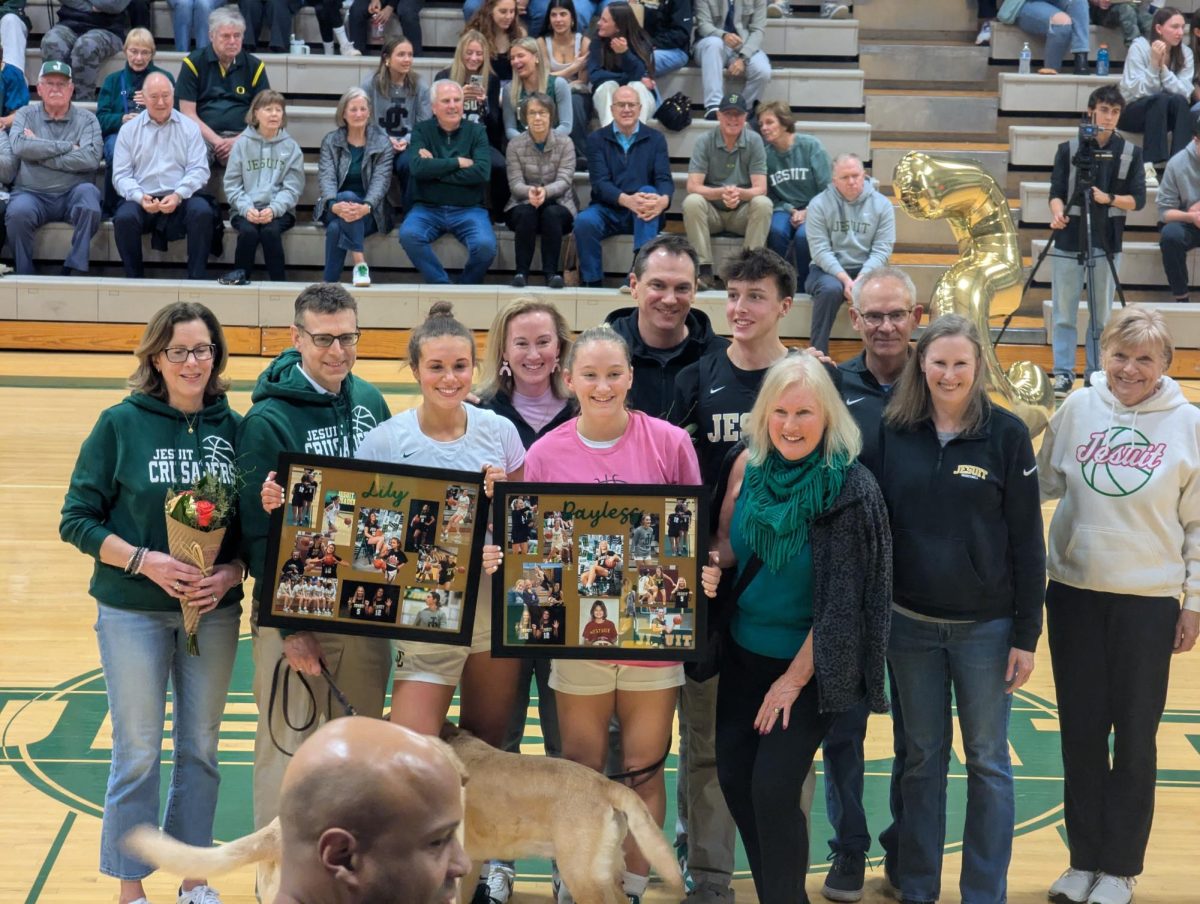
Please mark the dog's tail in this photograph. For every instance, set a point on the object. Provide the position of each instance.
(164, 852)
(647, 834)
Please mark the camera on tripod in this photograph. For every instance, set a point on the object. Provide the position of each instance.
(1090, 153)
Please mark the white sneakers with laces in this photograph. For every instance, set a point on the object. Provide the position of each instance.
(201, 894)
(362, 276)
(1072, 887)
(1112, 889)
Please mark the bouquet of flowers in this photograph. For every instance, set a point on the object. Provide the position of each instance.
(196, 522)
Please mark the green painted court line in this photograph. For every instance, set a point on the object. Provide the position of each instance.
(13, 381)
(51, 857)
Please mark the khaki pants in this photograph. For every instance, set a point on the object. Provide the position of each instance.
(701, 219)
(360, 667)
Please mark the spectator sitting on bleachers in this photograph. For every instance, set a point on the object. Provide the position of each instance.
(354, 172)
(280, 14)
(14, 90)
(217, 83)
(472, 69)
(1064, 25)
(1129, 16)
(59, 154)
(727, 187)
(262, 185)
(529, 14)
(448, 175)
(121, 99)
(86, 35)
(669, 24)
(566, 54)
(159, 166)
(621, 55)
(497, 21)
(530, 74)
(8, 168)
(14, 31)
(1157, 87)
(630, 177)
(1179, 212)
(798, 169)
(730, 43)
(400, 99)
(851, 229)
(541, 173)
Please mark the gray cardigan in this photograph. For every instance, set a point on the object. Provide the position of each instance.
(749, 21)
(376, 172)
(553, 168)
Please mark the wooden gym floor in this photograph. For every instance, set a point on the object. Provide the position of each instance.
(55, 738)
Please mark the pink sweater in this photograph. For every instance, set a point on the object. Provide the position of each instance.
(651, 451)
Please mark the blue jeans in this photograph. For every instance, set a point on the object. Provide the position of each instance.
(1035, 16)
(844, 768)
(190, 17)
(791, 243)
(666, 60)
(598, 221)
(470, 225)
(341, 236)
(929, 660)
(140, 653)
(1066, 288)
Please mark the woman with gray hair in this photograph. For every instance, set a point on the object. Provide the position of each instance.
(805, 528)
(1123, 459)
(541, 172)
(354, 171)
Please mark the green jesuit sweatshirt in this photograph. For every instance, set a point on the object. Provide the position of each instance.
(138, 450)
(440, 179)
(796, 177)
(291, 415)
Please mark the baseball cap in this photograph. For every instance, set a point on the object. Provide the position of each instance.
(55, 67)
(734, 102)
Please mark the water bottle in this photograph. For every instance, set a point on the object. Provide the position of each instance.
(1025, 59)
(1102, 60)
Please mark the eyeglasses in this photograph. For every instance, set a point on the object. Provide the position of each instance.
(324, 340)
(625, 105)
(177, 354)
(895, 318)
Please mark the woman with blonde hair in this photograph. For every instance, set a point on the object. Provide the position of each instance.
(472, 69)
(532, 76)
(804, 527)
(497, 21)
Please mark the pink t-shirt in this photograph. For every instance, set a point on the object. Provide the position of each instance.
(650, 451)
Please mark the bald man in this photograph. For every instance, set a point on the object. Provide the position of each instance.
(369, 813)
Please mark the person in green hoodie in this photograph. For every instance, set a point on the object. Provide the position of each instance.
(263, 182)
(174, 427)
(308, 401)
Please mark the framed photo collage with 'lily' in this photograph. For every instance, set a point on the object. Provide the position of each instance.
(599, 571)
(386, 550)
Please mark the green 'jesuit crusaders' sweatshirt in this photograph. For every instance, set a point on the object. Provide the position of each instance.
(291, 415)
(138, 450)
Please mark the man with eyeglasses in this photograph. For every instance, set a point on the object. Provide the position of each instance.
(630, 175)
(307, 400)
(58, 152)
(884, 311)
(159, 166)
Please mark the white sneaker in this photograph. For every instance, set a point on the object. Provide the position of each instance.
(1112, 889)
(1151, 176)
(345, 45)
(496, 887)
(776, 11)
(201, 894)
(1072, 886)
(362, 276)
(830, 9)
(985, 35)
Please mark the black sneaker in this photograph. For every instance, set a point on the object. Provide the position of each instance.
(710, 115)
(555, 281)
(1062, 384)
(845, 879)
(518, 281)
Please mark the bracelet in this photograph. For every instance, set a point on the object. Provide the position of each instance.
(132, 558)
(135, 561)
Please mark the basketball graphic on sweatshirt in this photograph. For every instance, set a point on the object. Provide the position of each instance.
(1119, 461)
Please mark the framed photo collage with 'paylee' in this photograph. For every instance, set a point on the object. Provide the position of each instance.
(363, 547)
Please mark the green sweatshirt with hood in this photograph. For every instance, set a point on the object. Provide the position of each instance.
(138, 450)
(291, 415)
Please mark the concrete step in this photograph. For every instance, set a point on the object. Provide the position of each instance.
(1049, 93)
(906, 18)
(1183, 320)
(1141, 265)
(1035, 207)
(886, 155)
(924, 63)
(1036, 145)
(948, 113)
(1007, 41)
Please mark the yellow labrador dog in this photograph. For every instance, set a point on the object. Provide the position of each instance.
(516, 807)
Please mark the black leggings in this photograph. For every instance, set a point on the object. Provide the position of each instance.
(762, 776)
(269, 236)
(551, 221)
(1165, 122)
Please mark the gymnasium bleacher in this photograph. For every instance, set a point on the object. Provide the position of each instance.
(894, 77)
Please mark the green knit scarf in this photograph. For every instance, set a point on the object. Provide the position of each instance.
(781, 498)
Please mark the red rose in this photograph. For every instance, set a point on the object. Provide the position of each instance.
(204, 512)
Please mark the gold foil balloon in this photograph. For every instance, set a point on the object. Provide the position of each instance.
(986, 279)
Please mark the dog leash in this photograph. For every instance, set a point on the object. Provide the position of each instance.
(635, 777)
(334, 693)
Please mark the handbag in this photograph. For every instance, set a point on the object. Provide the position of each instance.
(1009, 10)
(720, 618)
(570, 260)
(675, 113)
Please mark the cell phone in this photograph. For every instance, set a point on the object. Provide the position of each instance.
(476, 80)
